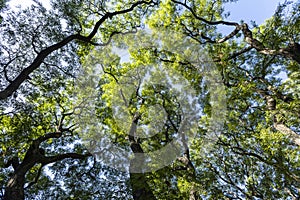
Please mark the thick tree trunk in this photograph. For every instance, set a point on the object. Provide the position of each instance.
(35, 155)
(15, 187)
(138, 181)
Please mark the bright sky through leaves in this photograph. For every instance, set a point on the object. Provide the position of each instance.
(247, 10)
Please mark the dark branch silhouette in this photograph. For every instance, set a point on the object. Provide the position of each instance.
(15, 84)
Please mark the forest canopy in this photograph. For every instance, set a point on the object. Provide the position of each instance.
(150, 99)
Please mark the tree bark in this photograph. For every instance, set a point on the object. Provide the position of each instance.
(15, 187)
(278, 125)
(292, 51)
(138, 181)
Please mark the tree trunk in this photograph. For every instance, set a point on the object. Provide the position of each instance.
(15, 187)
(138, 181)
(140, 187)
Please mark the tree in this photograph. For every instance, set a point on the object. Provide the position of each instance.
(41, 46)
(47, 56)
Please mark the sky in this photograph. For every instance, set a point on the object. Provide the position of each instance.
(255, 10)
(258, 10)
(249, 10)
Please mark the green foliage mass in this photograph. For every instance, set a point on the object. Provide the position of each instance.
(123, 72)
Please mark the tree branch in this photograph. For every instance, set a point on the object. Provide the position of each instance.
(291, 52)
(204, 20)
(50, 159)
(36, 177)
(278, 125)
(235, 54)
(47, 136)
(293, 136)
(15, 84)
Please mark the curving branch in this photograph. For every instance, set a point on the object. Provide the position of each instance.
(15, 84)
(221, 22)
(240, 151)
(234, 55)
(292, 51)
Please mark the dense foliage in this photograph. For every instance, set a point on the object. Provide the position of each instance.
(65, 89)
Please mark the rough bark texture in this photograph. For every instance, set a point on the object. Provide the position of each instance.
(15, 187)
